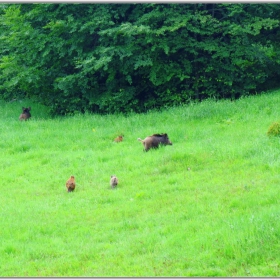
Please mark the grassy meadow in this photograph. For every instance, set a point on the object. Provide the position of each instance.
(206, 206)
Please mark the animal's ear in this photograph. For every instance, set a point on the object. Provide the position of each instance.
(29, 108)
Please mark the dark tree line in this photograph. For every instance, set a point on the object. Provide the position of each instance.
(108, 58)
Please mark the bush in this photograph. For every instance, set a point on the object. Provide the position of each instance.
(274, 129)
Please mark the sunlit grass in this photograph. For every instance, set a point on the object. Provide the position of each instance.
(206, 206)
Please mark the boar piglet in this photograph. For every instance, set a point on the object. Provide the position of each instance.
(119, 139)
(114, 181)
(25, 115)
(71, 184)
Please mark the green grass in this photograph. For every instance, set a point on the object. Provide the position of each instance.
(206, 206)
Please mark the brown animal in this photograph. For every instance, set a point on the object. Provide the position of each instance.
(114, 181)
(70, 184)
(155, 140)
(25, 115)
(119, 139)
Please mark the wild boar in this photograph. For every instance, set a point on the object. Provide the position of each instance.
(70, 184)
(114, 181)
(25, 115)
(118, 139)
(155, 140)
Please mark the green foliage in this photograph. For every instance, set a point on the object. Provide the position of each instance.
(134, 57)
(274, 129)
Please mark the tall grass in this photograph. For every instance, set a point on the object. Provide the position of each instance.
(206, 206)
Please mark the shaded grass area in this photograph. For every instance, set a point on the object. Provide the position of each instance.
(206, 206)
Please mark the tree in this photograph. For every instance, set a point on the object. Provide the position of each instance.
(110, 58)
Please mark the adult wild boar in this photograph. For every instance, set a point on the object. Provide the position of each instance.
(155, 140)
(25, 115)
